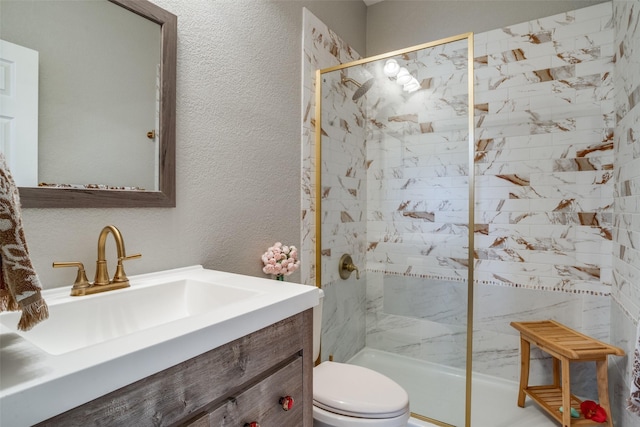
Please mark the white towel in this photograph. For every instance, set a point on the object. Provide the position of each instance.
(633, 403)
(19, 283)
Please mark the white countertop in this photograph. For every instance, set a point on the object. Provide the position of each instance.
(36, 385)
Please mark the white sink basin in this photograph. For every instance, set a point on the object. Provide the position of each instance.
(78, 322)
(92, 345)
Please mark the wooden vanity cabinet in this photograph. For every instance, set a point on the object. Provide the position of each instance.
(234, 385)
(261, 402)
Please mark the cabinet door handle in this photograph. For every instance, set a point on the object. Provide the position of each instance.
(286, 402)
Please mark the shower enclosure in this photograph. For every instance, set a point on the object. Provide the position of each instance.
(394, 189)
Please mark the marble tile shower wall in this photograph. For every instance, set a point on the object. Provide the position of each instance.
(344, 207)
(418, 209)
(544, 183)
(544, 164)
(544, 157)
(544, 196)
(344, 192)
(417, 177)
(625, 307)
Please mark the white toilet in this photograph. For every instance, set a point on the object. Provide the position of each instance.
(352, 396)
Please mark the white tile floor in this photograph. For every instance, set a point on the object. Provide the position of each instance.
(438, 392)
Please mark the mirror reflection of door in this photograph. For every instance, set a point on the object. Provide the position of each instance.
(19, 111)
(98, 90)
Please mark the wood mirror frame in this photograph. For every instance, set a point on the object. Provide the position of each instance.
(39, 197)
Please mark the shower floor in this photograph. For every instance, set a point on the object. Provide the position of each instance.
(437, 392)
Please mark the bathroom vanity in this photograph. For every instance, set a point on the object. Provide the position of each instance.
(235, 384)
(246, 361)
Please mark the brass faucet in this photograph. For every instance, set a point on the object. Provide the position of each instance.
(101, 282)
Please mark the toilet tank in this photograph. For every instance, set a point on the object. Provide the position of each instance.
(317, 325)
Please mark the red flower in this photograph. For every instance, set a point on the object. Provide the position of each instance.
(592, 411)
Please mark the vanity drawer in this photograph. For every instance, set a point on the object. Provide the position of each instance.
(260, 403)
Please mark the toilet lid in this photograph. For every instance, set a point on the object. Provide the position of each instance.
(356, 391)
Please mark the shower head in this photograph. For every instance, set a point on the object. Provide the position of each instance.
(362, 87)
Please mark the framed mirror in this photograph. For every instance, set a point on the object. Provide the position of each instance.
(158, 132)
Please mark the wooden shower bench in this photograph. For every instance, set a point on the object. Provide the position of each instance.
(565, 346)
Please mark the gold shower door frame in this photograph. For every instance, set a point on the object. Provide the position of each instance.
(471, 178)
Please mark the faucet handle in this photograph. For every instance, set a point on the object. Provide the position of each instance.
(128, 257)
(346, 266)
(120, 276)
(81, 281)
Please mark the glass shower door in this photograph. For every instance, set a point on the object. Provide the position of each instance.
(396, 194)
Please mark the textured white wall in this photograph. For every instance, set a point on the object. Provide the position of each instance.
(238, 147)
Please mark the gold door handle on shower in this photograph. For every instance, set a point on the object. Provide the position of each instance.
(346, 266)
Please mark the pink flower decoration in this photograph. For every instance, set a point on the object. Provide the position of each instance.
(280, 260)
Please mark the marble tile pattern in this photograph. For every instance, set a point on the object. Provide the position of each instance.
(343, 213)
(395, 192)
(418, 208)
(544, 160)
(343, 330)
(322, 48)
(417, 176)
(544, 153)
(625, 306)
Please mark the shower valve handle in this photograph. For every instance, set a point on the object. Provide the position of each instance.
(352, 267)
(346, 266)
